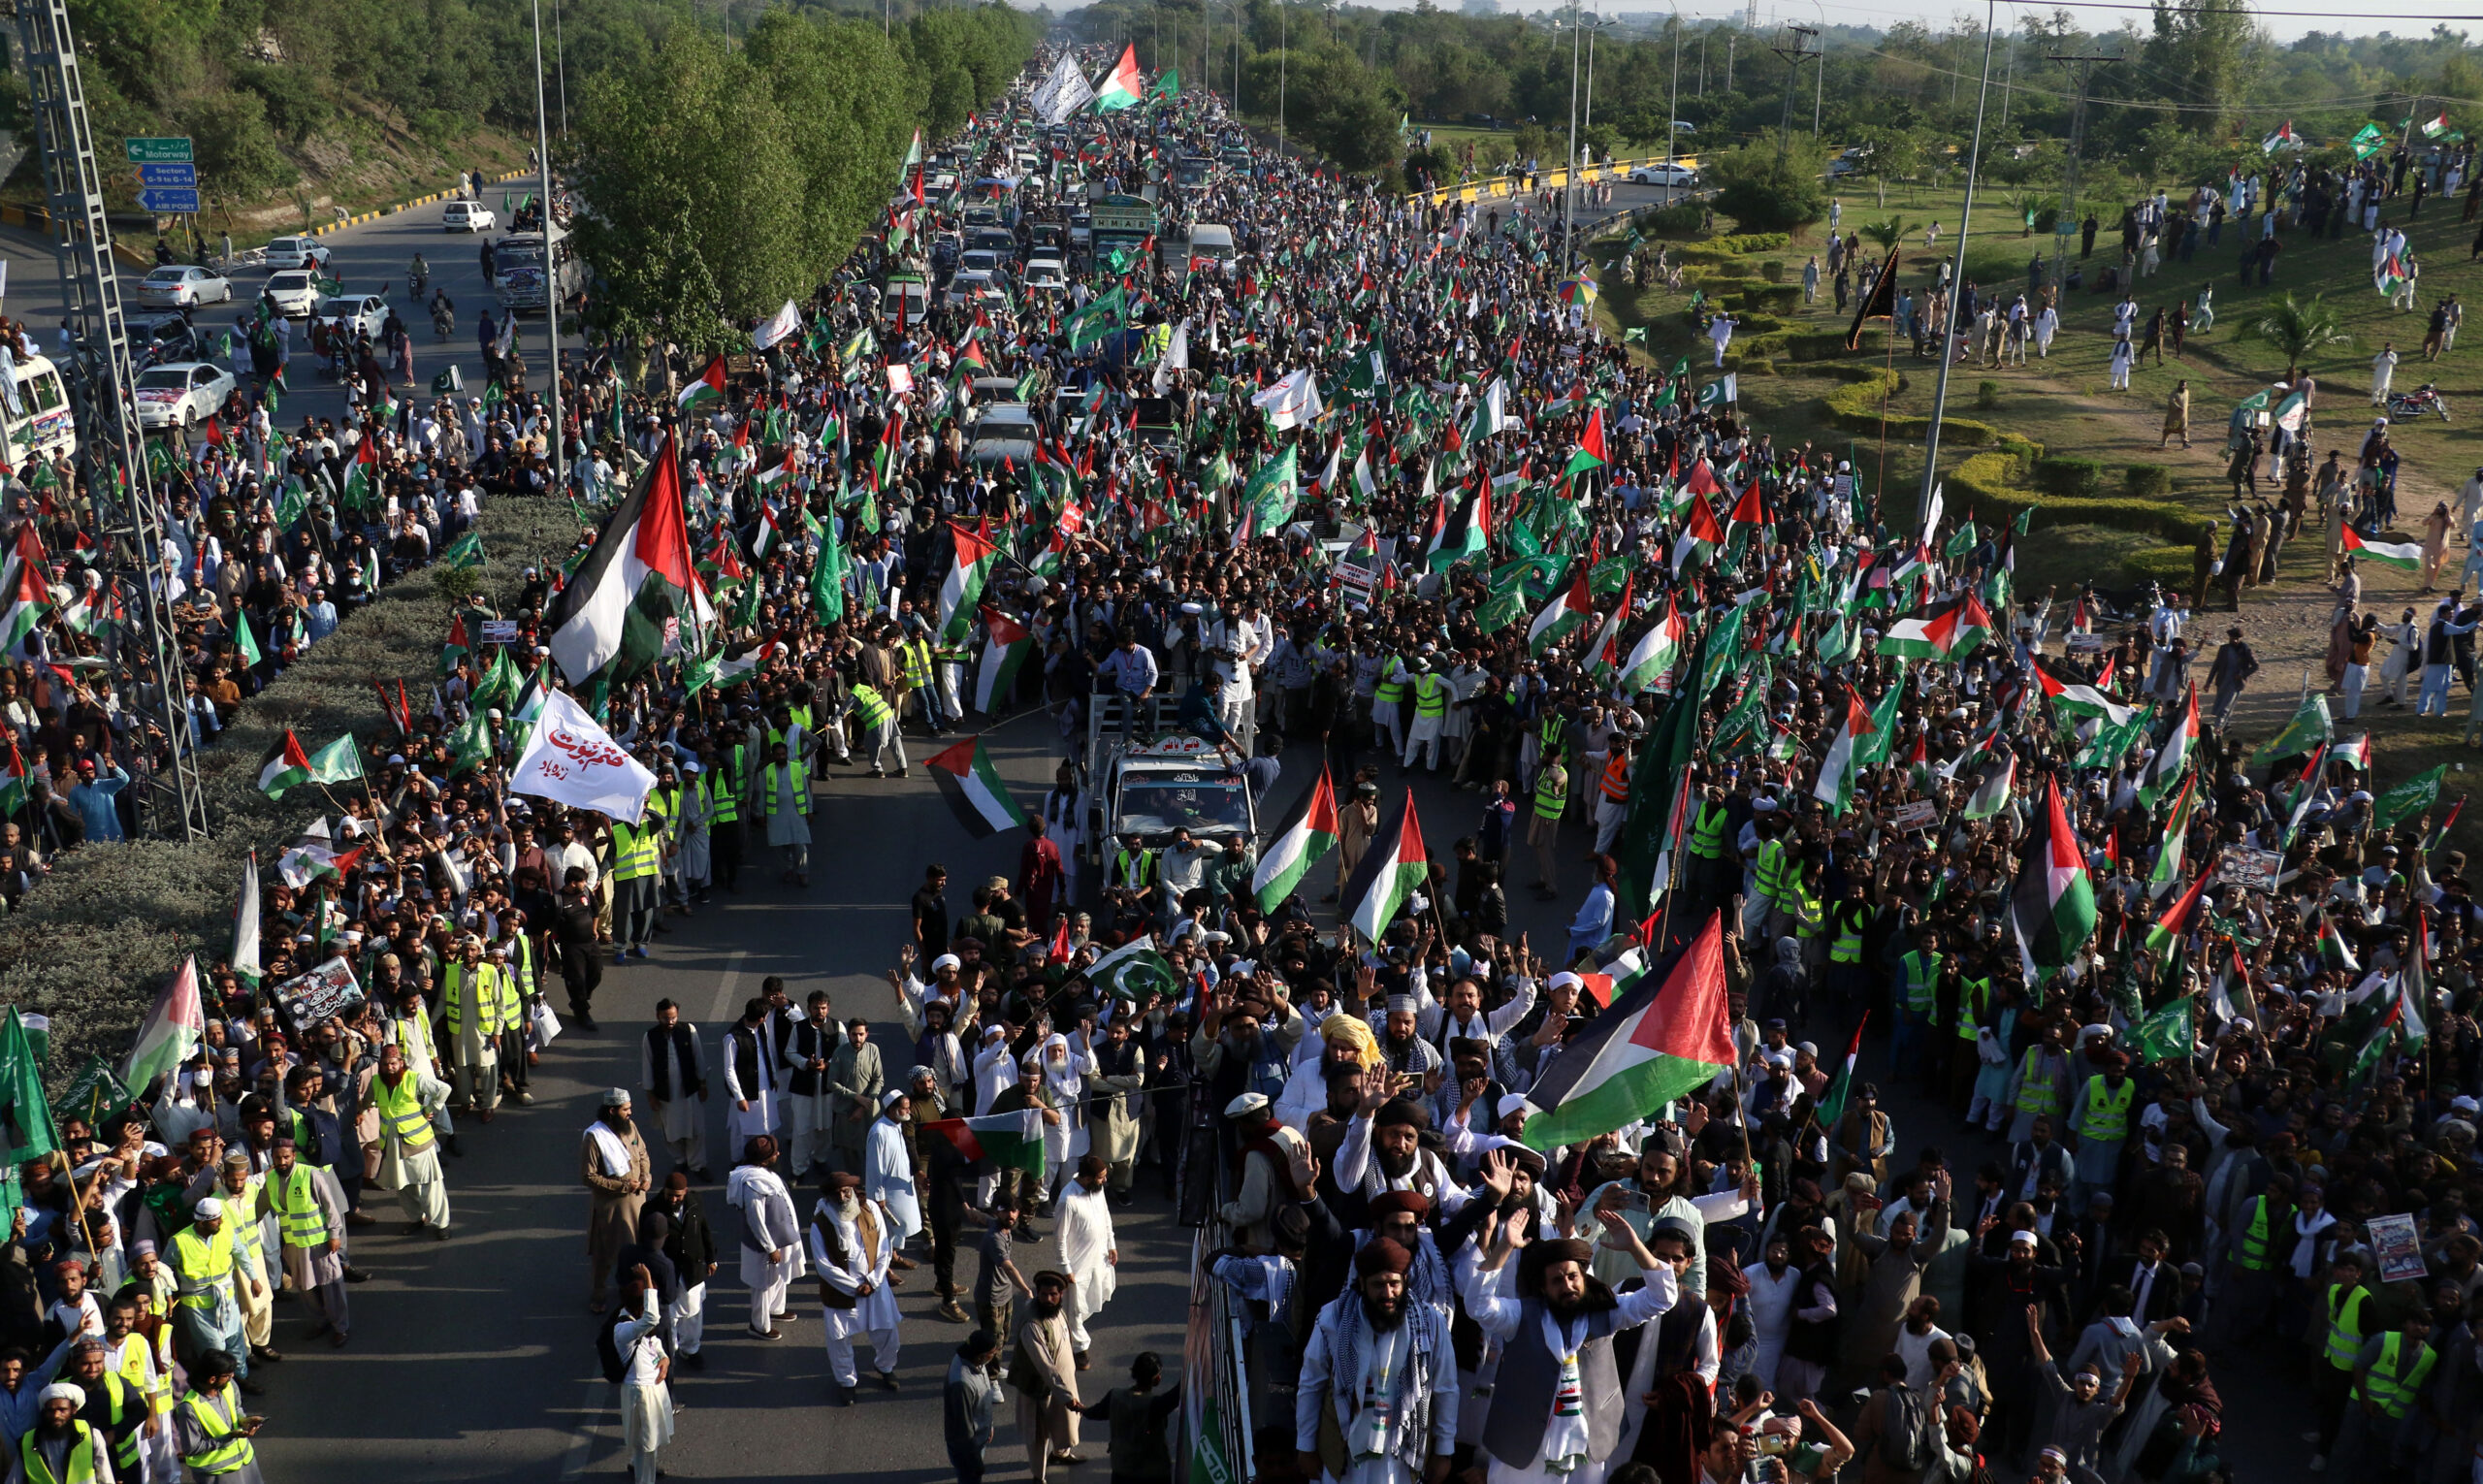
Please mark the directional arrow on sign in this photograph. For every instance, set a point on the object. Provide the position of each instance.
(169, 201)
(181, 176)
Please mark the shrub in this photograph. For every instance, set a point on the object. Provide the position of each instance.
(2146, 481)
(1988, 481)
(1773, 270)
(1770, 296)
(2170, 566)
(1674, 221)
(2070, 478)
(1987, 395)
(1751, 242)
(1769, 191)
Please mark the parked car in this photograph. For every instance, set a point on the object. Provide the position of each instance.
(1673, 177)
(179, 395)
(466, 216)
(285, 252)
(295, 292)
(353, 312)
(182, 286)
(163, 339)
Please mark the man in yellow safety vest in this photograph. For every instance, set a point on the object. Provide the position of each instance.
(209, 1429)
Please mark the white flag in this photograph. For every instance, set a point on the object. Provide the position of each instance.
(572, 759)
(786, 320)
(1291, 402)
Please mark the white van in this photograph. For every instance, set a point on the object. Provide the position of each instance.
(466, 216)
(1211, 243)
(40, 425)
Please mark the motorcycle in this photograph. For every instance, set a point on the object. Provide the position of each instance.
(2406, 406)
(443, 322)
(417, 281)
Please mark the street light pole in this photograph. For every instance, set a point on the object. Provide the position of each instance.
(1957, 282)
(1672, 109)
(1569, 177)
(551, 259)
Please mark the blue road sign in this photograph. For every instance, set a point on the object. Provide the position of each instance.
(168, 202)
(184, 175)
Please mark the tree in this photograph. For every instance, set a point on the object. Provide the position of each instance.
(2298, 328)
(1887, 232)
(850, 104)
(1766, 192)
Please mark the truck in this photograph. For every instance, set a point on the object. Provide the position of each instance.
(1120, 221)
(518, 278)
(1140, 789)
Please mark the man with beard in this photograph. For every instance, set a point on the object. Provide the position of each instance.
(613, 1162)
(752, 1080)
(1378, 1400)
(851, 1241)
(1347, 1046)
(1043, 1373)
(2015, 1284)
(1087, 1250)
(1811, 1337)
(1556, 1410)
(1383, 1153)
(1682, 1341)
(771, 1240)
(407, 1100)
(61, 1447)
(310, 1210)
(888, 1171)
(114, 1409)
(670, 1074)
(1270, 1169)
(690, 1244)
(808, 1051)
(1661, 1190)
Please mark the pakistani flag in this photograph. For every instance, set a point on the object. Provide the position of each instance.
(1572, 607)
(976, 555)
(2054, 906)
(2407, 799)
(1392, 868)
(1298, 846)
(608, 623)
(2308, 728)
(1002, 654)
(285, 766)
(706, 392)
(1132, 969)
(1467, 534)
(2404, 556)
(1010, 1140)
(1665, 1037)
(1991, 796)
(1123, 85)
(1720, 394)
(1835, 786)
(1953, 630)
(1657, 651)
(974, 788)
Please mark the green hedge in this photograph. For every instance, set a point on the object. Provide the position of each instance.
(1769, 296)
(1673, 221)
(1855, 408)
(91, 945)
(1988, 481)
(2070, 478)
(2147, 481)
(1753, 242)
(2170, 566)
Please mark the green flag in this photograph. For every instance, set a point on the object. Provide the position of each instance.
(828, 580)
(2166, 1035)
(1272, 491)
(2407, 799)
(26, 1114)
(467, 551)
(2308, 728)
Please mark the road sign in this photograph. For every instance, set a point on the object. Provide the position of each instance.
(157, 148)
(169, 201)
(181, 176)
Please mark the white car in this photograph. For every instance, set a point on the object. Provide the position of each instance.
(294, 293)
(352, 312)
(1047, 274)
(968, 285)
(1677, 177)
(181, 394)
(466, 216)
(180, 286)
(285, 252)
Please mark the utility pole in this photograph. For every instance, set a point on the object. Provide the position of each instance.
(1818, 79)
(1569, 179)
(2009, 82)
(2067, 223)
(1732, 43)
(1702, 66)
(1672, 109)
(1795, 57)
(1958, 279)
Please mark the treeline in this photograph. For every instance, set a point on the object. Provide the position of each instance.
(2197, 80)
(721, 176)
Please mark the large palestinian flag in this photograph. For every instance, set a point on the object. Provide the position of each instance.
(2404, 556)
(1310, 834)
(2173, 760)
(286, 765)
(609, 621)
(977, 555)
(974, 789)
(1835, 788)
(2054, 906)
(1001, 656)
(1572, 607)
(2081, 702)
(1659, 1042)
(1391, 868)
(705, 392)
(1123, 86)
(1952, 630)
(1010, 1140)
(1657, 651)
(1464, 535)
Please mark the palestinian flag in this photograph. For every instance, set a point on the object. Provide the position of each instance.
(1835, 786)
(2175, 838)
(1991, 796)
(1657, 651)
(2439, 836)
(974, 789)
(175, 1026)
(1010, 1140)
(1603, 651)
(2283, 139)
(2171, 761)
(1571, 607)
(1832, 1106)
(1699, 536)
(976, 555)
(2054, 906)
(708, 391)
(1466, 534)
(27, 598)
(1660, 1040)
(1953, 630)
(285, 766)
(245, 923)
(1123, 86)
(608, 621)
(1592, 450)
(1132, 969)
(2414, 990)
(361, 477)
(1302, 841)
(2081, 702)
(2179, 919)
(2389, 277)
(2404, 556)
(2334, 951)
(1391, 869)
(1002, 654)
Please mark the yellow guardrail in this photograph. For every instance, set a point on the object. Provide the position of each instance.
(1553, 179)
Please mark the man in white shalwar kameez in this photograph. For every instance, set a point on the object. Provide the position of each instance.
(771, 1236)
(850, 1245)
(409, 1102)
(1084, 1228)
(754, 1082)
(646, 1400)
(887, 1166)
(1379, 1387)
(1062, 1067)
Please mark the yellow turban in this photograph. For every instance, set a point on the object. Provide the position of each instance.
(1344, 1029)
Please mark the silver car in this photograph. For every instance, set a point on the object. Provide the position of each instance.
(182, 286)
(352, 312)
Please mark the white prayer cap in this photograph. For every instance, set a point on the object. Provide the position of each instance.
(1564, 980)
(1511, 1102)
(208, 1209)
(1245, 1105)
(887, 1099)
(2025, 1238)
(63, 1391)
(616, 1097)
(946, 961)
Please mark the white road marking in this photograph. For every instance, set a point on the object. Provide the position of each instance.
(599, 1401)
(724, 1007)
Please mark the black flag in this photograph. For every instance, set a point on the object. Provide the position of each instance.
(1880, 304)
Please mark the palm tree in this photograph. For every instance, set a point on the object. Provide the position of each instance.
(2298, 328)
(1887, 233)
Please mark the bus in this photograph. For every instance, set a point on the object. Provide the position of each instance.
(39, 426)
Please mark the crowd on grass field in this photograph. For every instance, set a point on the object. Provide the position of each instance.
(2190, 1023)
